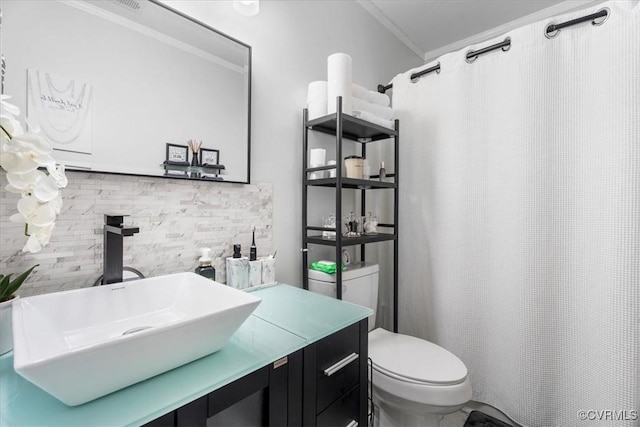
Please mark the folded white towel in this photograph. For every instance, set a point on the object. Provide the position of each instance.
(370, 117)
(370, 95)
(377, 109)
(379, 98)
(359, 91)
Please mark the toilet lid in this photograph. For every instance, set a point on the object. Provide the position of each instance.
(414, 359)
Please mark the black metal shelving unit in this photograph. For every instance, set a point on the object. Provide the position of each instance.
(346, 127)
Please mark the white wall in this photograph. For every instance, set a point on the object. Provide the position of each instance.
(291, 41)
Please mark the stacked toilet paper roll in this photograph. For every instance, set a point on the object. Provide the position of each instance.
(317, 158)
(317, 99)
(339, 82)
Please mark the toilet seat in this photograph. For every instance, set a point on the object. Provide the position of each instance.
(428, 378)
(409, 359)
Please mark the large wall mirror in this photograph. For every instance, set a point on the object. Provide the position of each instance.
(123, 86)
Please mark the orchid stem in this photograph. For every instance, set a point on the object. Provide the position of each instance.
(6, 132)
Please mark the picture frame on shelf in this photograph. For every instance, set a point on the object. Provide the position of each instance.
(176, 155)
(209, 156)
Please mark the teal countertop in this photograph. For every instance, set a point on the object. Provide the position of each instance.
(309, 315)
(287, 319)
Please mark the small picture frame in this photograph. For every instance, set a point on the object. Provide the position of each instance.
(177, 154)
(209, 157)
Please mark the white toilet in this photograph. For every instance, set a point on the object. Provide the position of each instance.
(415, 382)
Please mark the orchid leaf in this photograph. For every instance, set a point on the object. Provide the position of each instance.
(4, 284)
(8, 287)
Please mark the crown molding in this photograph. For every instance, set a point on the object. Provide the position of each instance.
(391, 26)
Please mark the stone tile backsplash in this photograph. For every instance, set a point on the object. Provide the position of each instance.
(176, 217)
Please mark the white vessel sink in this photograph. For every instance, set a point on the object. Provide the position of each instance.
(83, 344)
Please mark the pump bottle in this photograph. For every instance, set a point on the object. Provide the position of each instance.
(205, 268)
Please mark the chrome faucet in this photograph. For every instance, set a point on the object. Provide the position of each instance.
(112, 262)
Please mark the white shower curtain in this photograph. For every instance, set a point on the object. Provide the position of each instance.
(520, 218)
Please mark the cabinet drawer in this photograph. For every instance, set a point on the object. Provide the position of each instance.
(343, 412)
(338, 365)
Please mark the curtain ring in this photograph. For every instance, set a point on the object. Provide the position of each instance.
(550, 34)
(507, 47)
(470, 60)
(601, 20)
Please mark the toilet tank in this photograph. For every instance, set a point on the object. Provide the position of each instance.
(359, 286)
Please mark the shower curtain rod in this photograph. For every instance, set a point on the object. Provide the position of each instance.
(555, 28)
(551, 31)
(436, 68)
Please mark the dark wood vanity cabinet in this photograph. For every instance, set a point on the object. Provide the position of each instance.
(335, 379)
(324, 385)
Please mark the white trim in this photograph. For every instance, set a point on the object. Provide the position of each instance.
(391, 26)
(141, 29)
(557, 9)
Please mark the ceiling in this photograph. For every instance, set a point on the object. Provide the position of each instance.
(433, 27)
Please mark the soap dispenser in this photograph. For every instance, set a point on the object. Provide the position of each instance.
(205, 268)
(237, 269)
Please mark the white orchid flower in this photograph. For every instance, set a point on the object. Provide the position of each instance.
(24, 182)
(46, 189)
(36, 213)
(17, 218)
(8, 119)
(28, 142)
(58, 174)
(21, 154)
(18, 163)
(38, 238)
(56, 203)
(33, 245)
(11, 125)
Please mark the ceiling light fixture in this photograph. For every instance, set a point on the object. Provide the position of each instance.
(247, 7)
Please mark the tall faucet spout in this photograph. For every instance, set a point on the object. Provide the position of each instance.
(124, 231)
(114, 231)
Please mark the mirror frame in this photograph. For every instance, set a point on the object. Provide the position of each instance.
(249, 78)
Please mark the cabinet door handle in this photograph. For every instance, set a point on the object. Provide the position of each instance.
(353, 423)
(341, 364)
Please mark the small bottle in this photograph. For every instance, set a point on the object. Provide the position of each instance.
(253, 251)
(236, 251)
(370, 224)
(383, 173)
(205, 268)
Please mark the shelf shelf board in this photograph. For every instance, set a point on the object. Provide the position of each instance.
(351, 183)
(189, 168)
(353, 128)
(351, 241)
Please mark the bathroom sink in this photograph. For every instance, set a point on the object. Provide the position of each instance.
(83, 344)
